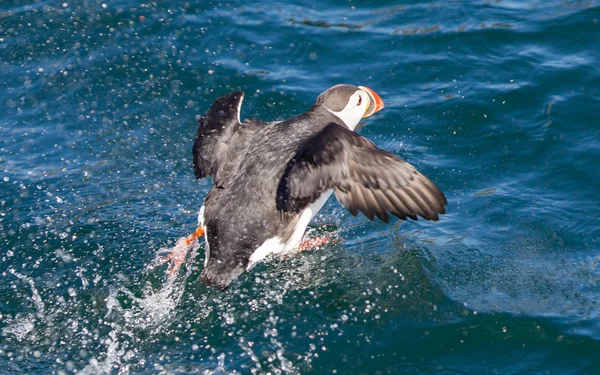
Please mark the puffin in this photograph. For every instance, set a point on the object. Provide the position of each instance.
(271, 178)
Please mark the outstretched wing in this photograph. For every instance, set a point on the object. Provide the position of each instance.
(364, 177)
(215, 130)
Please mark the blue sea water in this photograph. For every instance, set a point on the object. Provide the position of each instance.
(496, 101)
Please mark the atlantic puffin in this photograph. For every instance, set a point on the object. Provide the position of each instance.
(271, 178)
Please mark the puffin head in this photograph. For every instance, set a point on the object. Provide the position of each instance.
(350, 103)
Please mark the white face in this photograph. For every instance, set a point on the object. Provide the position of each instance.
(355, 109)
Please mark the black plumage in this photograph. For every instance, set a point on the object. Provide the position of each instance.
(266, 174)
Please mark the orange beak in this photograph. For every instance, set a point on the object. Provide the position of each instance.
(375, 102)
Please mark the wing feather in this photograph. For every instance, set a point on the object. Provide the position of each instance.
(215, 129)
(364, 177)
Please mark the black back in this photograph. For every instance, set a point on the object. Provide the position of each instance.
(240, 210)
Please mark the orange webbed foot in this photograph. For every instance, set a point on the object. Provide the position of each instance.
(177, 254)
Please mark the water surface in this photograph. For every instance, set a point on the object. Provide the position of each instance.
(496, 101)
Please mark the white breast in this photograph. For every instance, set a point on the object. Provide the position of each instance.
(201, 223)
(275, 246)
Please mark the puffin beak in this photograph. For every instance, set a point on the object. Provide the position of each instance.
(375, 102)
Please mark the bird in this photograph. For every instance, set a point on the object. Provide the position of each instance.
(271, 178)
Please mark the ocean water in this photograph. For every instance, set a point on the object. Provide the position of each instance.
(496, 101)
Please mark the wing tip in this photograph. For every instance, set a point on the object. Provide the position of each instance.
(228, 106)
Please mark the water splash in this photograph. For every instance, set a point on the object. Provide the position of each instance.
(20, 326)
(149, 312)
(35, 297)
(23, 324)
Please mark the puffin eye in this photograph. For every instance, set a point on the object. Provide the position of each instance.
(359, 101)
